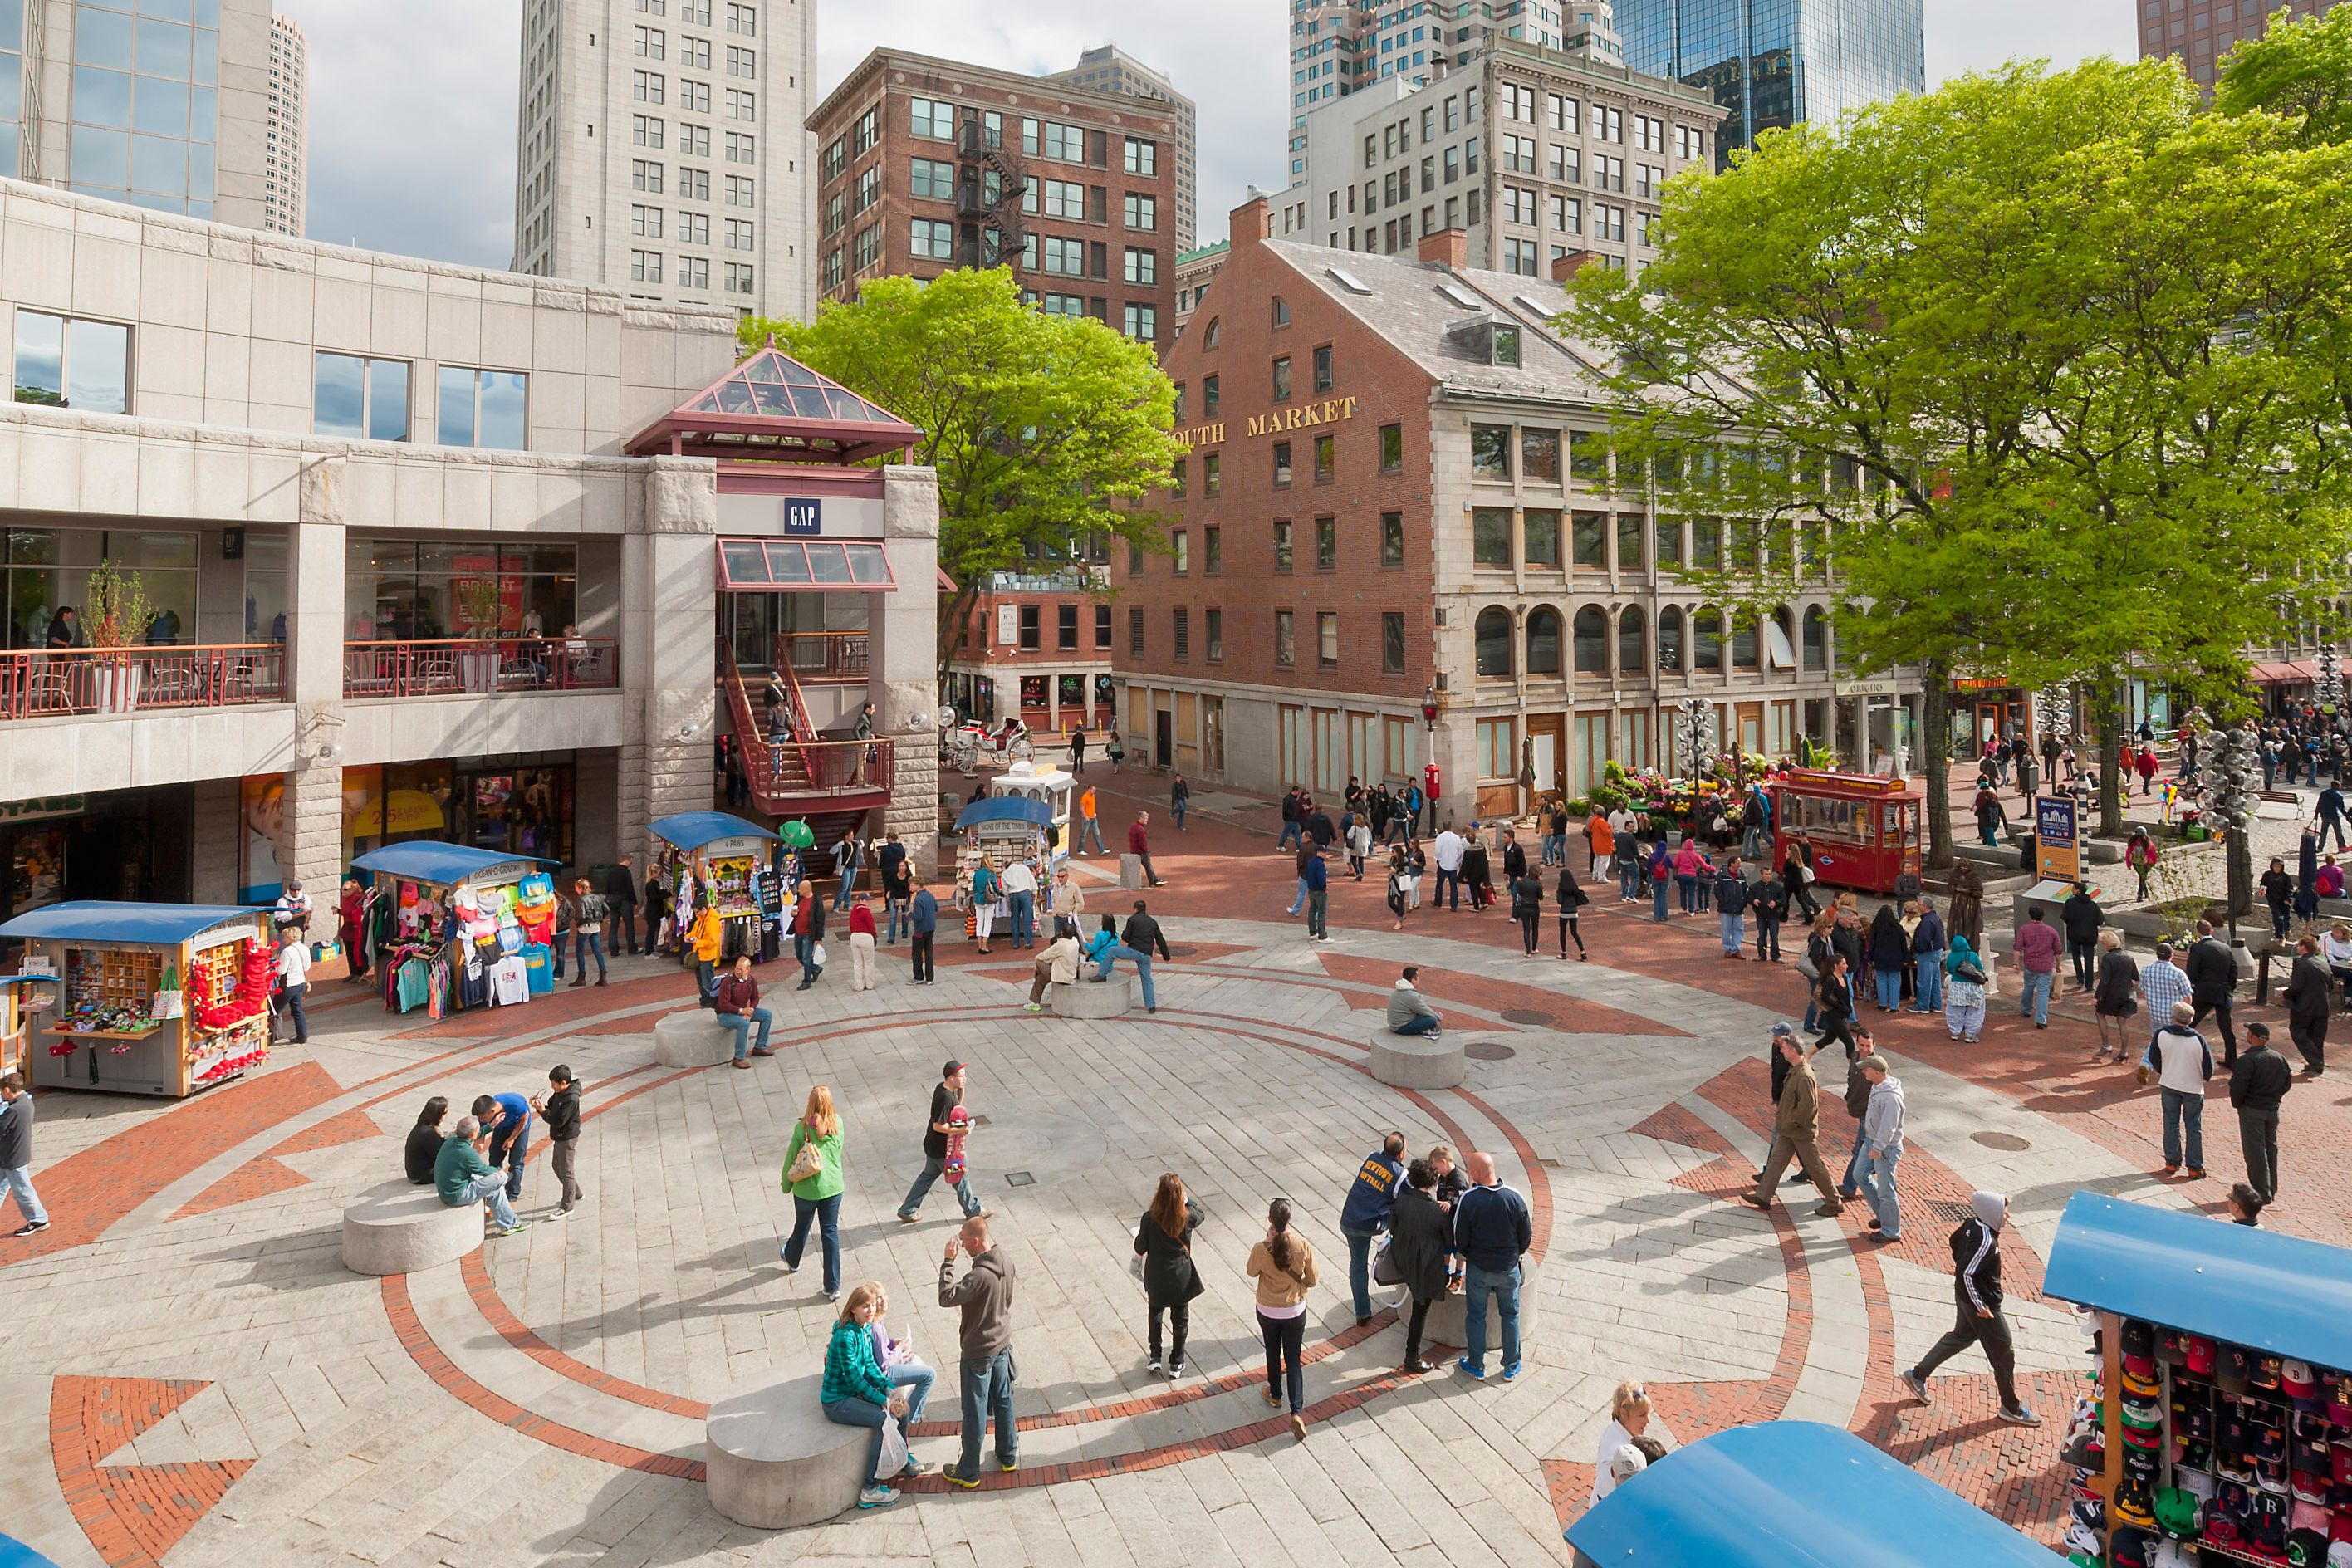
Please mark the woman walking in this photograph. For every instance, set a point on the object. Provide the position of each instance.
(1819, 950)
(1890, 951)
(2115, 993)
(854, 1392)
(1526, 907)
(1398, 891)
(1163, 1239)
(1689, 866)
(1662, 874)
(1965, 980)
(812, 1176)
(2140, 854)
(1837, 1005)
(1284, 1266)
(1572, 899)
(1420, 1234)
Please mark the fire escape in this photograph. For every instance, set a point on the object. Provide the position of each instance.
(989, 185)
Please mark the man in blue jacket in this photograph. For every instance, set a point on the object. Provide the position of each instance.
(1318, 881)
(1492, 1231)
(1731, 906)
(1365, 1214)
(923, 923)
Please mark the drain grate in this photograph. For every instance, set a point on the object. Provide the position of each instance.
(1957, 1210)
(1528, 1015)
(2009, 1142)
(1488, 1051)
(1019, 1179)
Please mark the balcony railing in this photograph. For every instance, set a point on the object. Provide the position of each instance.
(484, 666)
(822, 768)
(824, 656)
(35, 684)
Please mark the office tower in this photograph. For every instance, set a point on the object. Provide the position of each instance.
(159, 103)
(661, 149)
(285, 162)
(1110, 68)
(2201, 31)
(1328, 44)
(1773, 63)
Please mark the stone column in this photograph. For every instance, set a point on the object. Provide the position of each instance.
(669, 648)
(903, 683)
(310, 843)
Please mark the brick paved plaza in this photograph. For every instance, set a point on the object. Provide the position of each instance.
(194, 1377)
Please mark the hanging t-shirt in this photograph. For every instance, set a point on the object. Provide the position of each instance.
(509, 982)
(415, 983)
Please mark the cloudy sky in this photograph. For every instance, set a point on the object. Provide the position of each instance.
(412, 104)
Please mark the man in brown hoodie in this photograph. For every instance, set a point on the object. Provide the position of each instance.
(984, 1296)
(1796, 1129)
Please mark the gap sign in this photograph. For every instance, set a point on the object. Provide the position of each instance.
(804, 516)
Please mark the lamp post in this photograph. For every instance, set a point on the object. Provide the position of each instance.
(1694, 733)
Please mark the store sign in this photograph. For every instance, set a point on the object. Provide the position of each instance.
(804, 516)
(1865, 687)
(740, 844)
(1301, 417)
(2057, 856)
(41, 807)
(1008, 624)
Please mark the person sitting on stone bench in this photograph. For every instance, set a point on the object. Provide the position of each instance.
(1057, 965)
(423, 1150)
(461, 1176)
(1409, 1011)
(1105, 948)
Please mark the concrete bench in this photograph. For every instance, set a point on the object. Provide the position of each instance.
(1447, 1322)
(693, 1038)
(1417, 1061)
(1085, 999)
(773, 1461)
(398, 1227)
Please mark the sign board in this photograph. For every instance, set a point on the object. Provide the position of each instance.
(2057, 856)
(804, 516)
(742, 843)
(41, 806)
(1008, 624)
(1865, 687)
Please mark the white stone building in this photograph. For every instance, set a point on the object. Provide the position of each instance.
(285, 174)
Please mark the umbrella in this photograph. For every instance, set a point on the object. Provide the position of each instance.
(796, 834)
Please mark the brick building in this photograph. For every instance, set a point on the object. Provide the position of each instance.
(1394, 498)
(1037, 644)
(2201, 31)
(925, 164)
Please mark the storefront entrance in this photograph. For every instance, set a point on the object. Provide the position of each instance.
(133, 845)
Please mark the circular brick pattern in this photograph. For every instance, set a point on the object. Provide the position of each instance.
(1488, 1051)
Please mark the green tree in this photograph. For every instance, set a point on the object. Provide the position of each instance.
(2302, 70)
(1048, 431)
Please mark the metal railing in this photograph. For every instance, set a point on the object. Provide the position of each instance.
(484, 666)
(35, 684)
(827, 767)
(824, 656)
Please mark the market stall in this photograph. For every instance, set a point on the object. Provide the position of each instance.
(724, 858)
(454, 927)
(1864, 831)
(2220, 1428)
(23, 998)
(151, 998)
(1003, 829)
(1792, 1494)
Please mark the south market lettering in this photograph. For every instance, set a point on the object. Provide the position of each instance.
(1305, 417)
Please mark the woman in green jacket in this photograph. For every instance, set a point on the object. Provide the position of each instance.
(855, 1393)
(817, 1195)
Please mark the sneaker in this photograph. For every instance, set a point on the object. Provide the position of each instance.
(906, 1218)
(1510, 1371)
(833, 1295)
(1008, 1465)
(877, 1496)
(1918, 1387)
(2196, 1172)
(516, 1229)
(1466, 1369)
(33, 1229)
(2021, 1417)
(914, 1467)
(956, 1478)
(1416, 1367)
(1154, 1363)
(790, 1267)
(554, 1215)
(1031, 1007)
(1175, 1370)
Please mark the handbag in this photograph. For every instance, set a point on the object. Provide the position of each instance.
(1384, 1266)
(1970, 973)
(1805, 871)
(1135, 1261)
(1805, 967)
(808, 1163)
(817, 955)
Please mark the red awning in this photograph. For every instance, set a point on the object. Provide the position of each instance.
(803, 566)
(2284, 674)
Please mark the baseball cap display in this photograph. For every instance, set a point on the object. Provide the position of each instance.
(2127, 1549)
(2232, 1369)
(2179, 1514)
(2307, 1549)
(2264, 1370)
(2134, 1505)
(2197, 1353)
(2296, 1381)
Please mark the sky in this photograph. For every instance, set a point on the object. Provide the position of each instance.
(412, 104)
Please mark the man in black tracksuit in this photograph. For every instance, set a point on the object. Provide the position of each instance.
(621, 893)
(1976, 1289)
(2212, 978)
(2257, 1086)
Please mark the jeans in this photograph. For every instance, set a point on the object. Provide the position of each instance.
(19, 1184)
(1555, 849)
(827, 1213)
(1291, 833)
(1768, 938)
(1284, 1338)
(1658, 899)
(1505, 1284)
(1629, 876)
(1734, 931)
(742, 1023)
(1317, 906)
(2033, 995)
(1142, 967)
(2179, 1107)
(893, 912)
(586, 944)
(2331, 825)
(1890, 988)
(1426, 1023)
(1963, 1020)
(1878, 1185)
(1446, 880)
(1360, 1265)
(804, 950)
(933, 1169)
(1930, 999)
(1024, 918)
(492, 1190)
(706, 980)
(291, 999)
(1298, 899)
(917, 1378)
(855, 1412)
(848, 886)
(926, 966)
(1846, 1188)
(1177, 809)
(1686, 894)
(511, 1155)
(987, 1396)
(1088, 828)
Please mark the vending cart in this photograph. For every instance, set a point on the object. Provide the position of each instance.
(1864, 831)
(459, 927)
(723, 856)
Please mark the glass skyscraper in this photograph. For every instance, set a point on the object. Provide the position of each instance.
(1772, 63)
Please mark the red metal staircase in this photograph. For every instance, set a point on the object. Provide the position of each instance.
(831, 785)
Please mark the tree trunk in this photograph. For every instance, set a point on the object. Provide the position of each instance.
(1936, 752)
(2114, 719)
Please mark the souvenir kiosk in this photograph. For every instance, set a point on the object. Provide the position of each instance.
(1792, 1494)
(462, 927)
(2219, 1429)
(1864, 830)
(722, 856)
(151, 998)
(1005, 828)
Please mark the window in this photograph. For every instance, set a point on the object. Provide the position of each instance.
(1633, 653)
(1670, 639)
(1490, 451)
(1327, 458)
(1707, 541)
(1392, 642)
(1540, 455)
(1326, 638)
(1143, 322)
(1629, 542)
(1176, 479)
(1670, 542)
(1182, 540)
(1064, 258)
(1029, 642)
(1608, 125)
(739, 274)
(644, 132)
(744, 19)
(645, 265)
(1707, 640)
(1327, 544)
(1391, 539)
(694, 11)
(741, 62)
(645, 221)
(1213, 550)
(1492, 636)
(68, 362)
(868, 246)
(1142, 158)
(361, 397)
(1543, 641)
(1282, 544)
(933, 239)
(646, 86)
(1560, 113)
(1567, 214)
(1059, 198)
(1102, 626)
(1323, 368)
(1141, 212)
(693, 272)
(1211, 473)
(1817, 639)
(868, 191)
(1135, 631)
(481, 407)
(647, 43)
(694, 97)
(1210, 392)
(1607, 174)
(1142, 266)
(1285, 645)
(931, 181)
(1282, 463)
(1490, 537)
(743, 105)
(644, 176)
(1209, 335)
(1540, 536)
(1689, 142)
(1180, 626)
(1214, 633)
(1282, 379)
(742, 147)
(1591, 539)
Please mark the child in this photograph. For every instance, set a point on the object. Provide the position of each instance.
(2245, 1206)
(561, 1110)
(958, 1124)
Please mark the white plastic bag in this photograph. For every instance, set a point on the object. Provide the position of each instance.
(894, 1449)
(1135, 1261)
(817, 955)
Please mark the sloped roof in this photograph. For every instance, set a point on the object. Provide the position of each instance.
(772, 406)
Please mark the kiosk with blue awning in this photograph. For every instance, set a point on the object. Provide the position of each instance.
(463, 927)
(150, 998)
(1792, 1494)
(720, 853)
(1023, 817)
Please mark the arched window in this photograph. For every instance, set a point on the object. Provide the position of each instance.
(1209, 333)
(1632, 642)
(1817, 639)
(1494, 635)
(1281, 311)
(1591, 640)
(1707, 640)
(1670, 638)
(1543, 641)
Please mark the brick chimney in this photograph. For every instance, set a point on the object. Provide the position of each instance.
(1447, 246)
(1252, 221)
(1566, 266)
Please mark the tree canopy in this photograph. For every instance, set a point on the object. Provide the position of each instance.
(1046, 430)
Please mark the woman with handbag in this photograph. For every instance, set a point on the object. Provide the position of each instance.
(1966, 981)
(1420, 1234)
(1526, 907)
(1163, 1239)
(812, 1176)
(1284, 1266)
(854, 1393)
(1814, 962)
(1572, 899)
(985, 891)
(2115, 993)
(1836, 993)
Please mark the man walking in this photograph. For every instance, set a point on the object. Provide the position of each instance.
(1976, 1290)
(945, 1098)
(2257, 1085)
(737, 1004)
(1492, 1231)
(923, 921)
(984, 1298)
(1881, 1147)
(2183, 1062)
(2212, 981)
(1088, 826)
(2036, 946)
(1294, 822)
(897, 883)
(2162, 983)
(848, 856)
(1318, 895)
(2307, 987)
(1372, 1197)
(620, 899)
(2082, 917)
(1857, 1104)
(1179, 800)
(17, 1154)
(1138, 844)
(1796, 1128)
(1448, 851)
(1731, 907)
(2331, 815)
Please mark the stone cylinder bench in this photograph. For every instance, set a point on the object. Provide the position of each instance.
(398, 1227)
(1447, 1323)
(1111, 999)
(1417, 1061)
(694, 1038)
(772, 1459)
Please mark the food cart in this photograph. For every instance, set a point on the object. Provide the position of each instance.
(2225, 1351)
(1792, 1494)
(722, 856)
(151, 998)
(456, 927)
(1864, 830)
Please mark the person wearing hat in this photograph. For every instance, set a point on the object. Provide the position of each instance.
(1796, 1129)
(2258, 1086)
(1976, 1291)
(945, 1097)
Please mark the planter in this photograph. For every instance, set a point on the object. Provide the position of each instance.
(118, 686)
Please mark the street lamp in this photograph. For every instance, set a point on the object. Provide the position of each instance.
(2331, 680)
(1694, 733)
(1428, 708)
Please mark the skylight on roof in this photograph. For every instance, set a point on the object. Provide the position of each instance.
(1461, 295)
(1346, 279)
(1530, 302)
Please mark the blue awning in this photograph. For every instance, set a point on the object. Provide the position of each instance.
(447, 865)
(2230, 1283)
(1792, 1494)
(99, 922)
(693, 829)
(1007, 808)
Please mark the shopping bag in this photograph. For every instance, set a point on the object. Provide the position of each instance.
(1384, 1268)
(817, 955)
(894, 1449)
(1135, 1259)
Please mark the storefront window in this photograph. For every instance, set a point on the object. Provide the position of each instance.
(265, 587)
(399, 589)
(48, 569)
